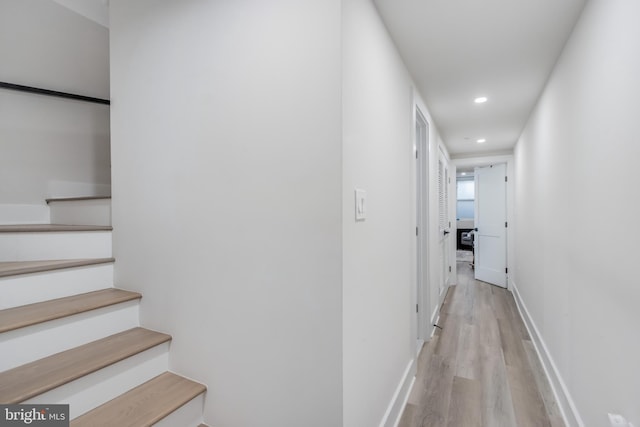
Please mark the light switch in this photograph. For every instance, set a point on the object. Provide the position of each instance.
(361, 205)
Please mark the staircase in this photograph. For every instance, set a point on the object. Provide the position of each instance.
(68, 336)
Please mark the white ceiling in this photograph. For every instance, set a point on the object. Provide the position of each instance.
(457, 50)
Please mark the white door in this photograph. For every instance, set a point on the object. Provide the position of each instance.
(490, 244)
(444, 222)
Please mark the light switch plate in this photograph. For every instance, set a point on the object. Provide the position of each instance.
(361, 205)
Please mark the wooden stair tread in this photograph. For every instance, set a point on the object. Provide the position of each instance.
(40, 376)
(31, 314)
(75, 199)
(40, 228)
(15, 268)
(144, 405)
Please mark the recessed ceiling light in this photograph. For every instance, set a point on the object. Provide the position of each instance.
(463, 174)
(481, 100)
(481, 140)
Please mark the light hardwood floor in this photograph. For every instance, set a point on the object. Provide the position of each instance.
(481, 369)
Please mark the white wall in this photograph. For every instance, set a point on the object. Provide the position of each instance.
(577, 262)
(51, 146)
(379, 268)
(226, 148)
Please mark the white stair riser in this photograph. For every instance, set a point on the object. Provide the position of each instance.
(188, 415)
(37, 287)
(36, 246)
(31, 343)
(11, 213)
(81, 212)
(91, 391)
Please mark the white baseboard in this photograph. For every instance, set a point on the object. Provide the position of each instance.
(24, 214)
(399, 400)
(435, 318)
(561, 393)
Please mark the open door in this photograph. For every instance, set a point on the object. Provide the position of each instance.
(490, 244)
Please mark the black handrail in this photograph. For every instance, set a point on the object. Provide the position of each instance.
(48, 92)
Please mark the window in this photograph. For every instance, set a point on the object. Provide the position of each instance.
(465, 199)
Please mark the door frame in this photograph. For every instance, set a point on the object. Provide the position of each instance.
(448, 228)
(481, 161)
(421, 200)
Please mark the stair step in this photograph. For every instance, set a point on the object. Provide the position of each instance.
(144, 405)
(15, 268)
(42, 228)
(28, 344)
(76, 199)
(26, 315)
(32, 379)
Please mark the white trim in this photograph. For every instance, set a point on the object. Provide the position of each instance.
(399, 400)
(435, 316)
(568, 409)
(453, 228)
(420, 245)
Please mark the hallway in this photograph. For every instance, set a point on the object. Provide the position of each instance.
(481, 369)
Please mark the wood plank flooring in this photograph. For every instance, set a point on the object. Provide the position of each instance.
(481, 369)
